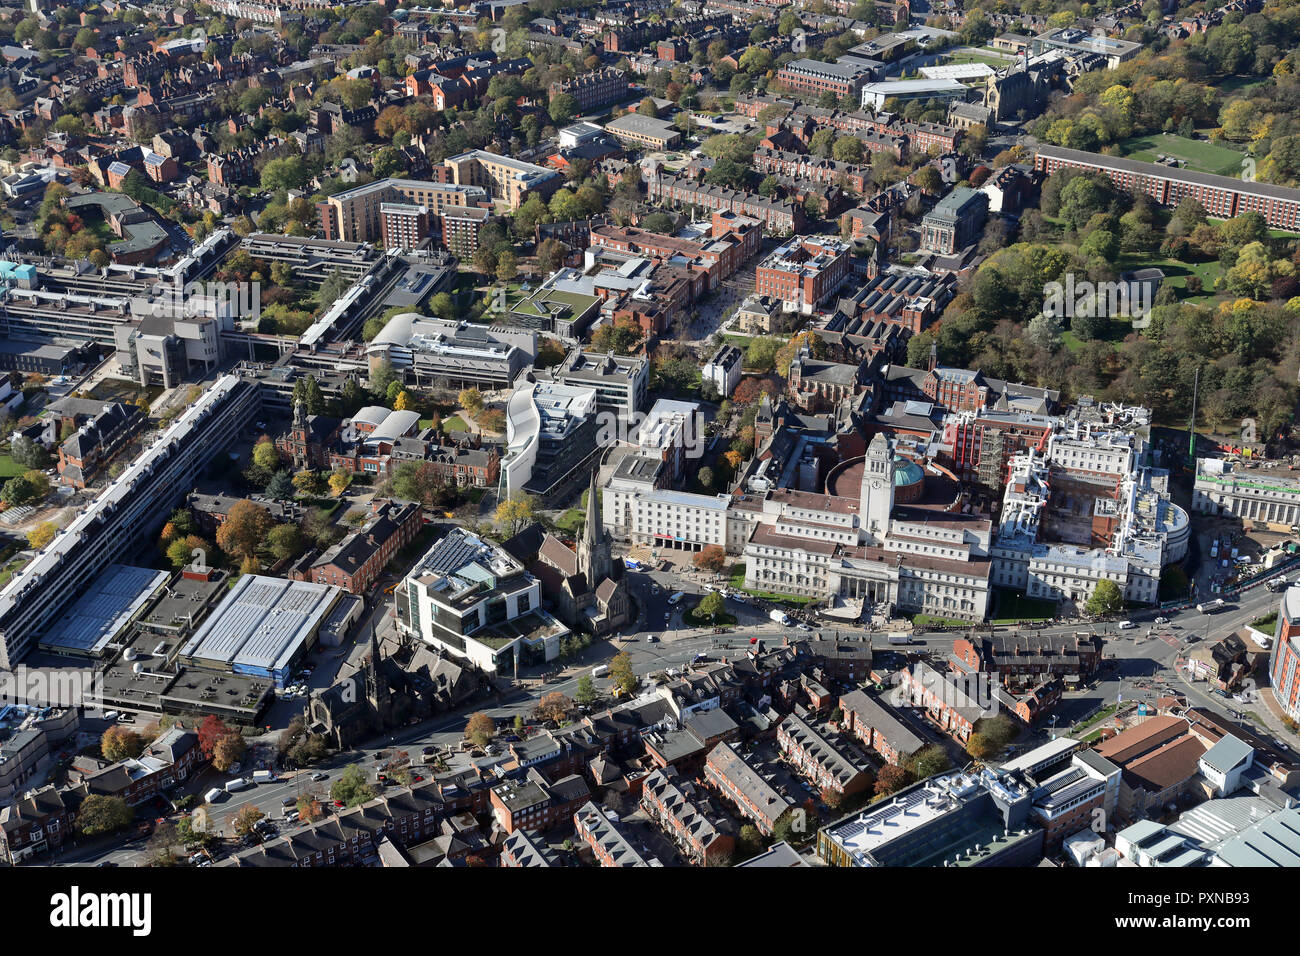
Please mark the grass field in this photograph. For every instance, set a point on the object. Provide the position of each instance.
(1014, 606)
(930, 620)
(571, 521)
(1198, 155)
(454, 424)
(9, 468)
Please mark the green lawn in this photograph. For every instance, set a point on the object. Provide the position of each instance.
(9, 468)
(1013, 606)
(10, 569)
(571, 521)
(992, 59)
(1267, 623)
(454, 424)
(929, 620)
(1197, 154)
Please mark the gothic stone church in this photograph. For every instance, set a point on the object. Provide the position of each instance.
(584, 584)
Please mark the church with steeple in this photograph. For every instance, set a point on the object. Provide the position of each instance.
(583, 583)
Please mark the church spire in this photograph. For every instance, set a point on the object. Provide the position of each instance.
(591, 533)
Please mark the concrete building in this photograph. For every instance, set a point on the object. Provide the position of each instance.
(550, 435)
(950, 820)
(471, 599)
(124, 516)
(431, 352)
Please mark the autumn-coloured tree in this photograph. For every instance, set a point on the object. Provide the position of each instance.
(121, 743)
(209, 732)
(310, 809)
(747, 392)
(266, 455)
(515, 512)
(620, 671)
(711, 558)
(480, 729)
(554, 706)
(228, 751)
(42, 535)
(891, 779)
(339, 481)
(245, 818)
(244, 529)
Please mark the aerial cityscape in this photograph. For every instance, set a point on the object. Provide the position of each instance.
(649, 433)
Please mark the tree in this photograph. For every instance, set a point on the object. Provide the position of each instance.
(308, 483)
(29, 453)
(285, 541)
(42, 534)
(351, 787)
(281, 486)
(930, 760)
(990, 736)
(245, 819)
(507, 266)
(471, 399)
(562, 108)
(1106, 599)
(209, 732)
(339, 481)
(266, 456)
(622, 674)
(121, 743)
(100, 814)
(711, 558)
(228, 751)
(308, 391)
(181, 551)
(245, 528)
(891, 779)
(711, 606)
(554, 706)
(585, 693)
(514, 513)
(480, 729)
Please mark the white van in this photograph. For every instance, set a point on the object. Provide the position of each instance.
(1125, 625)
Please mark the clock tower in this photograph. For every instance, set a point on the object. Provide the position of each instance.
(877, 498)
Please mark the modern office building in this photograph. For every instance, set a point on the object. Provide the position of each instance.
(550, 434)
(471, 599)
(951, 820)
(621, 381)
(433, 352)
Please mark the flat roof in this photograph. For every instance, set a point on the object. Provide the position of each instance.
(99, 614)
(262, 623)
